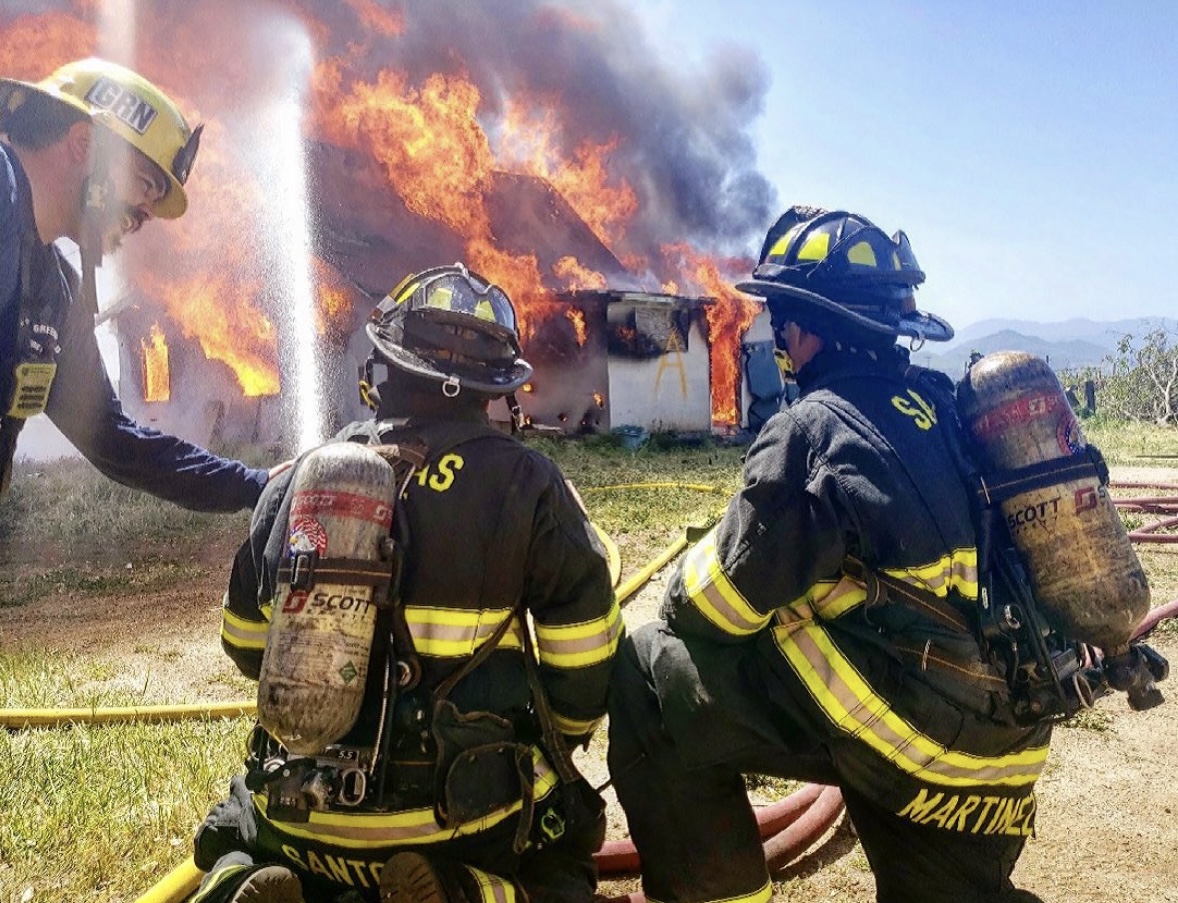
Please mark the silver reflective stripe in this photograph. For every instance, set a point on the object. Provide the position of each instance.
(457, 632)
(580, 645)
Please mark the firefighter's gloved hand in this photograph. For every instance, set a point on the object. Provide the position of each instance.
(230, 826)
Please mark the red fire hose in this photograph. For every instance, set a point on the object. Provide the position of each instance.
(788, 828)
(1155, 617)
(1160, 531)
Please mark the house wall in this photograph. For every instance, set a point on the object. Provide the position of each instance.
(669, 392)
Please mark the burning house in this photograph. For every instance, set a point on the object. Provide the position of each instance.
(375, 140)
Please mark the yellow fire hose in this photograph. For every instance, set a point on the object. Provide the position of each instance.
(177, 885)
(24, 718)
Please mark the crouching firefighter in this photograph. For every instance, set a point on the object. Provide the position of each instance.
(431, 620)
(835, 627)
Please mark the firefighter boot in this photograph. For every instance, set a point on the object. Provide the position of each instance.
(414, 878)
(236, 879)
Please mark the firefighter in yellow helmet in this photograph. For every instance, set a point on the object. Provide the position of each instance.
(90, 153)
(462, 733)
(824, 630)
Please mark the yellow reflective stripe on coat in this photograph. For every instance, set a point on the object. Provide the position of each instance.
(359, 829)
(762, 895)
(855, 708)
(457, 632)
(580, 645)
(713, 593)
(242, 633)
(957, 571)
(492, 888)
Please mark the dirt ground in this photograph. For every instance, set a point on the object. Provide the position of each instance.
(1106, 826)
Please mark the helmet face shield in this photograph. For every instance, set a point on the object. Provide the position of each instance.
(455, 293)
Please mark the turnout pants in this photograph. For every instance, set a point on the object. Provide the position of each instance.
(688, 719)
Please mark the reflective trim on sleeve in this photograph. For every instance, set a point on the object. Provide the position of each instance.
(583, 644)
(714, 594)
(242, 633)
(856, 709)
(457, 632)
(360, 829)
(956, 571)
(831, 599)
(492, 888)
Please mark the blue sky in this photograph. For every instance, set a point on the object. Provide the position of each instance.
(1029, 150)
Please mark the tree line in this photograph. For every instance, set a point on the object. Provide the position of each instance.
(1137, 382)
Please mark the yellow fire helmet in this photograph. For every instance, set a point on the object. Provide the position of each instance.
(130, 106)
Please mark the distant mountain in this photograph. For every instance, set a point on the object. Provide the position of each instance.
(1065, 345)
(1105, 333)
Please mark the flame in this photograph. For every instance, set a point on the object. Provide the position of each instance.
(221, 305)
(375, 17)
(728, 319)
(437, 159)
(576, 316)
(436, 156)
(333, 313)
(599, 399)
(31, 46)
(576, 276)
(530, 139)
(157, 384)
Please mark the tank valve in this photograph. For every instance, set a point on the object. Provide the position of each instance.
(1136, 672)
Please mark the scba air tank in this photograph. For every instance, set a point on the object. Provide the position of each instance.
(315, 665)
(1082, 566)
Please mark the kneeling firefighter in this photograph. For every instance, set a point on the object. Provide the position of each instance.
(431, 619)
(837, 624)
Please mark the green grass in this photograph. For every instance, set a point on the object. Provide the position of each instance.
(1132, 444)
(69, 502)
(642, 522)
(101, 813)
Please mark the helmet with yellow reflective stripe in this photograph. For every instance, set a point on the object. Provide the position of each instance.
(454, 326)
(126, 104)
(837, 267)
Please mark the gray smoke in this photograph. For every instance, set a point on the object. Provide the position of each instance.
(685, 144)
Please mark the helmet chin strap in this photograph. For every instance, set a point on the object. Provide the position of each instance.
(369, 394)
(517, 414)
